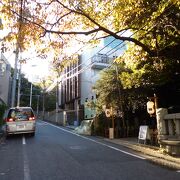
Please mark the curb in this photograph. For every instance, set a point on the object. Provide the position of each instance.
(155, 154)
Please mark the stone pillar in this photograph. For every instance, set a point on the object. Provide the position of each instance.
(177, 124)
(161, 127)
(171, 127)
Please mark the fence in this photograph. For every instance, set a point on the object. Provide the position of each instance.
(63, 117)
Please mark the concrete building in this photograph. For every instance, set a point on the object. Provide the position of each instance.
(5, 79)
(76, 86)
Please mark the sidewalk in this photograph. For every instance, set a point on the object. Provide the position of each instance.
(153, 154)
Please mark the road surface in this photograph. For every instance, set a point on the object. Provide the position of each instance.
(56, 153)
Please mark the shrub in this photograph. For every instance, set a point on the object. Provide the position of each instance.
(2, 110)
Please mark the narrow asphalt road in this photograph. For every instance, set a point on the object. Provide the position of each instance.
(56, 153)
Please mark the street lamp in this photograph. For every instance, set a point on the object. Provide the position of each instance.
(43, 97)
(14, 76)
(37, 110)
(57, 99)
(30, 99)
(19, 81)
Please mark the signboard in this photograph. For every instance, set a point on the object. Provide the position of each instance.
(144, 133)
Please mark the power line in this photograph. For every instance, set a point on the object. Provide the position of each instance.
(93, 55)
(89, 65)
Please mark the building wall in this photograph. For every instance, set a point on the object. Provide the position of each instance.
(69, 87)
(76, 90)
(5, 79)
(95, 60)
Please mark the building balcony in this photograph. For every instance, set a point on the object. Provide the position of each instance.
(100, 61)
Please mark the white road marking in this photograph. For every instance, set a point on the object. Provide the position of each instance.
(103, 144)
(23, 140)
(178, 171)
(26, 167)
(25, 162)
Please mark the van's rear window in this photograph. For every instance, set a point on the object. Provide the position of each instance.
(20, 114)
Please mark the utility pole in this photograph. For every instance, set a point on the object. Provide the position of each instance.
(19, 86)
(43, 98)
(19, 81)
(14, 76)
(37, 111)
(57, 99)
(31, 88)
(30, 99)
(16, 57)
(43, 103)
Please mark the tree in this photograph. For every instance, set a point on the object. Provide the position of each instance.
(154, 23)
(25, 93)
(26, 35)
(153, 74)
(110, 92)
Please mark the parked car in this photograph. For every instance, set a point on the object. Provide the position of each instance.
(20, 120)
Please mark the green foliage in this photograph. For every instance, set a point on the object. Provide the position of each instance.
(145, 71)
(106, 89)
(111, 91)
(100, 124)
(2, 110)
(150, 63)
(37, 95)
(25, 92)
(50, 101)
(117, 88)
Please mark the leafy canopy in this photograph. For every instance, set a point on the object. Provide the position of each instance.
(154, 23)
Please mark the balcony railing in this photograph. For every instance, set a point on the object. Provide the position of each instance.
(100, 61)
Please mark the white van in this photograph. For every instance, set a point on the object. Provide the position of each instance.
(20, 120)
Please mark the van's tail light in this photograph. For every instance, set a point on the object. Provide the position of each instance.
(9, 119)
(31, 118)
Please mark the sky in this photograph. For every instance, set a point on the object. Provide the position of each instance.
(34, 67)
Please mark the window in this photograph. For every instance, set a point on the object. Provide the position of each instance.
(20, 114)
